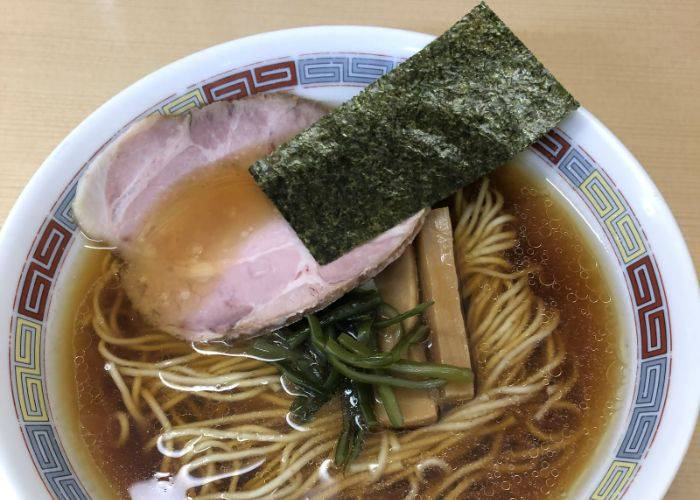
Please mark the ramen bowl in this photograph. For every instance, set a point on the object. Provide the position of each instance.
(641, 249)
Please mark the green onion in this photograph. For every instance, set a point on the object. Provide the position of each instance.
(352, 345)
(375, 379)
(371, 361)
(300, 381)
(358, 440)
(364, 403)
(342, 446)
(345, 311)
(364, 331)
(269, 351)
(351, 309)
(318, 339)
(338, 349)
(415, 336)
(303, 408)
(391, 405)
(405, 315)
(369, 287)
(432, 370)
(355, 424)
(298, 338)
(331, 383)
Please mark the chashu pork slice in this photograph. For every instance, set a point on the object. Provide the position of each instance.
(206, 254)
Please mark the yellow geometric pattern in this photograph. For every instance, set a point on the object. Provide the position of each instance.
(184, 103)
(627, 238)
(610, 208)
(28, 371)
(616, 478)
(601, 195)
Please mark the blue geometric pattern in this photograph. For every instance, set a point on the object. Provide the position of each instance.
(645, 285)
(342, 69)
(599, 193)
(49, 458)
(575, 167)
(27, 350)
(64, 212)
(647, 405)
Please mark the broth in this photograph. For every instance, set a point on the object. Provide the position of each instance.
(571, 279)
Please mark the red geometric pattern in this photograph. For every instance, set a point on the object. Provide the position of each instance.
(37, 280)
(51, 246)
(35, 293)
(252, 81)
(553, 146)
(653, 328)
(650, 310)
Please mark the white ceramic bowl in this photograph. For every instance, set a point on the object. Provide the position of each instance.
(645, 256)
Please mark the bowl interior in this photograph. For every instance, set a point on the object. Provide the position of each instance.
(603, 185)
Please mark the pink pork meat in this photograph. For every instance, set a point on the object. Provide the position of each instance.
(205, 253)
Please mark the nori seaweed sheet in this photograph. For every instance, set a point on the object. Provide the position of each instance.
(465, 104)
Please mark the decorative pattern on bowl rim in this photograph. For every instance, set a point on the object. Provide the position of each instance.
(588, 179)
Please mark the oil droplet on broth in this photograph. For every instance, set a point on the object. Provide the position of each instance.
(570, 278)
(519, 485)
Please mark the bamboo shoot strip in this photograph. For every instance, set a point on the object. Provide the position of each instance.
(398, 286)
(438, 278)
(465, 104)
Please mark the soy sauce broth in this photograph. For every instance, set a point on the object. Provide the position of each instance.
(572, 279)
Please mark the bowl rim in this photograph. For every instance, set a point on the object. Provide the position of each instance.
(689, 420)
(49, 170)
